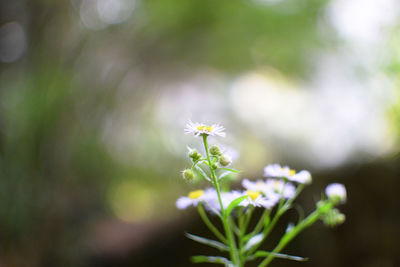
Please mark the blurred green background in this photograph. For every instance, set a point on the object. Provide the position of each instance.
(94, 96)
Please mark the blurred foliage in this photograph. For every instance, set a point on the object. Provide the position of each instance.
(54, 168)
(233, 35)
(393, 69)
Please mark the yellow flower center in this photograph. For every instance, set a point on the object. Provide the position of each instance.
(196, 194)
(204, 128)
(253, 194)
(291, 171)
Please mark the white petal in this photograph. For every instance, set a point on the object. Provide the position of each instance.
(183, 203)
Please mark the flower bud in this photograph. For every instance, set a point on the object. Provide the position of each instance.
(188, 174)
(215, 151)
(194, 155)
(214, 166)
(225, 160)
(333, 218)
(336, 193)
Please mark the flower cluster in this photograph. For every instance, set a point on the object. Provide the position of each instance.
(258, 194)
(275, 193)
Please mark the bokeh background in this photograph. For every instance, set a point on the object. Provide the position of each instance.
(94, 96)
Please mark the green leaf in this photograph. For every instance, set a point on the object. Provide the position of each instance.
(234, 204)
(261, 253)
(255, 240)
(223, 175)
(231, 170)
(211, 259)
(209, 242)
(203, 173)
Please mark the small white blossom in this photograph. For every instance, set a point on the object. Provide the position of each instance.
(203, 129)
(280, 188)
(272, 188)
(256, 199)
(259, 185)
(276, 171)
(337, 192)
(194, 198)
(302, 177)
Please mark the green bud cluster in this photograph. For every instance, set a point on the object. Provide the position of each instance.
(333, 218)
(194, 155)
(188, 174)
(225, 160)
(215, 150)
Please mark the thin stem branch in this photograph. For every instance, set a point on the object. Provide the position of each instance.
(225, 220)
(209, 224)
(307, 222)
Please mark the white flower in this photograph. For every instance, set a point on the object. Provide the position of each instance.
(259, 185)
(271, 188)
(194, 198)
(203, 129)
(276, 171)
(336, 192)
(302, 177)
(255, 198)
(279, 188)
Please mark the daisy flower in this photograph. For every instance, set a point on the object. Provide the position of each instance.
(203, 129)
(255, 198)
(194, 198)
(271, 188)
(336, 192)
(259, 185)
(279, 188)
(276, 171)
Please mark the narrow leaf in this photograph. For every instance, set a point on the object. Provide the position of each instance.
(223, 175)
(234, 204)
(211, 259)
(255, 240)
(231, 170)
(261, 253)
(202, 172)
(209, 242)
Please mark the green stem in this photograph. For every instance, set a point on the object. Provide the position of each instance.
(270, 226)
(248, 219)
(210, 226)
(260, 223)
(307, 222)
(214, 178)
(227, 227)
